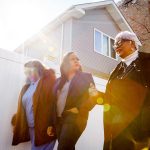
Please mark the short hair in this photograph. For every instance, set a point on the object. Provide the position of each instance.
(126, 35)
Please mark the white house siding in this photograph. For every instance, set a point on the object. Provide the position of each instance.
(53, 42)
(43, 44)
(67, 38)
(11, 81)
(75, 35)
(83, 39)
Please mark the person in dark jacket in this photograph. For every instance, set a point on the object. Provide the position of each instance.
(127, 98)
(71, 92)
(33, 117)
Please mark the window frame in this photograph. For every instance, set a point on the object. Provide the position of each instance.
(109, 46)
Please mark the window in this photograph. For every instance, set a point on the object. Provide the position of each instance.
(98, 41)
(113, 53)
(103, 44)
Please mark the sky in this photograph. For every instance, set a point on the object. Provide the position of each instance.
(20, 19)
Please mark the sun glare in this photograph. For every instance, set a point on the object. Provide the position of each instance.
(23, 19)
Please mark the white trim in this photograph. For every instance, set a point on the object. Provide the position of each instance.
(94, 40)
(104, 33)
(109, 47)
(107, 43)
(61, 43)
(93, 4)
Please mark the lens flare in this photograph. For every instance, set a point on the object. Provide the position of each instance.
(100, 100)
(106, 107)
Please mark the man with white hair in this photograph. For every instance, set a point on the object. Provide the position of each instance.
(127, 98)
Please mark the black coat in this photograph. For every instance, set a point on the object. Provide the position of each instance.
(78, 95)
(127, 100)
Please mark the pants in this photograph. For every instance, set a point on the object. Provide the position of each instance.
(48, 146)
(68, 134)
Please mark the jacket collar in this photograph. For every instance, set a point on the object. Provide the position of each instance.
(143, 55)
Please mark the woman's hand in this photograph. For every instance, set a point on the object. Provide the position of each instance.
(50, 131)
(73, 110)
(96, 95)
(93, 92)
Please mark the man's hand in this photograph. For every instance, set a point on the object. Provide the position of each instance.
(73, 110)
(50, 131)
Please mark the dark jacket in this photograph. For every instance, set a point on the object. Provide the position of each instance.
(127, 99)
(77, 96)
(42, 100)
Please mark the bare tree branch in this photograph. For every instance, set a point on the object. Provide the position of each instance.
(146, 27)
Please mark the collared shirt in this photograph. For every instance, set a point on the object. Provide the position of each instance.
(61, 98)
(27, 101)
(129, 59)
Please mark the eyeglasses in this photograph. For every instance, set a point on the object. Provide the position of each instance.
(119, 43)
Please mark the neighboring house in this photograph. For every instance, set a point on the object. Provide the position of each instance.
(87, 29)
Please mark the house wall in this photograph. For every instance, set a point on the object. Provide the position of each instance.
(43, 45)
(83, 39)
(12, 79)
(67, 38)
(78, 36)
(54, 42)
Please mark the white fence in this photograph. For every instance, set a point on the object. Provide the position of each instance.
(11, 81)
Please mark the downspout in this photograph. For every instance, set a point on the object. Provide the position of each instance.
(61, 41)
(77, 13)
